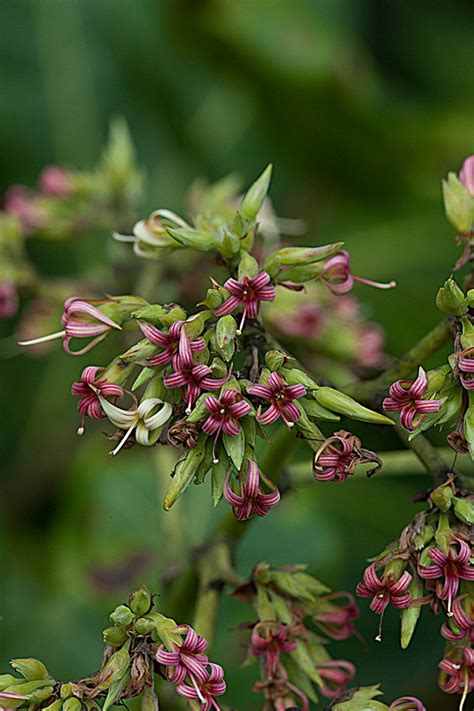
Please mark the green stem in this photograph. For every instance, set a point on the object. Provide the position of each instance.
(214, 558)
(373, 390)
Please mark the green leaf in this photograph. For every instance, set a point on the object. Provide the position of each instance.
(226, 328)
(235, 447)
(305, 661)
(184, 473)
(263, 604)
(299, 678)
(410, 615)
(363, 700)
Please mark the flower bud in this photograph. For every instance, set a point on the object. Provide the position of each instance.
(65, 690)
(302, 274)
(55, 706)
(464, 510)
(409, 615)
(143, 626)
(122, 615)
(200, 240)
(150, 314)
(184, 473)
(345, 405)
(149, 701)
(226, 328)
(30, 669)
(7, 680)
(469, 424)
(115, 668)
(213, 299)
(114, 636)
(72, 704)
(173, 314)
(140, 601)
(295, 376)
(275, 359)
(248, 266)
(442, 496)
(458, 203)
(302, 256)
(272, 265)
(254, 197)
(450, 299)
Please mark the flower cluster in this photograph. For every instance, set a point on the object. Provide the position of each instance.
(432, 564)
(211, 382)
(291, 606)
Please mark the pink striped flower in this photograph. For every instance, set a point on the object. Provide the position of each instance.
(466, 174)
(81, 319)
(88, 389)
(251, 498)
(186, 659)
(335, 674)
(247, 293)
(406, 396)
(338, 456)
(195, 378)
(225, 414)
(282, 397)
(338, 277)
(462, 621)
(268, 640)
(457, 671)
(466, 368)
(337, 621)
(384, 591)
(204, 693)
(448, 569)
(176, 344)
(407, 703)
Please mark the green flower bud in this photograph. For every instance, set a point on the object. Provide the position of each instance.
(410, 615)
(314, 409)
(230, 244)
(140, 352)
(442, 496)
(173, 314)
(196, 324)
(144, 626)
(345, 405)
(28, 688)
(115, 668)
(275, 359)
(143, 377)
(114, 636)
(248, 266)
(149, 701)
(467, 336)
(226, 328)
(464, 510)
(165, 631)
(151, 314)
(122, 616)
(219, 368)
(458, 203)
(200, 240)
(295, 376)
(272, 265)
(30, 669)
(7, 680)
(55, 706)
(451, 300)
(302, 256)
(184, 473)
(140, 601)
(72, 704)
(302, 274)
(255, 196)
(469, 424)
(66, 690)
(213, 299)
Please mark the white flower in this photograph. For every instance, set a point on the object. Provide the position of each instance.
(146, 419)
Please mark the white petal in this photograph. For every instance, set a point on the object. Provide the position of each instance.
(120, 418)
(159, 419)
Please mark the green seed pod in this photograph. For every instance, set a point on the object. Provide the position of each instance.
(140, 601)
(30, 669)
(184, 473)
(255, 195)
(122, 616)
(114, 636)
(451, 300)
(345, 405)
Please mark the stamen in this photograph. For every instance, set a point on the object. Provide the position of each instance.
(465, 690)
(378, 638)
(377, 284)
(198, 690)
(242, 321)
(43, 339)
(80, 430)
(122, 441)
(285, 420)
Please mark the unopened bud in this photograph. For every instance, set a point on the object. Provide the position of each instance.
(254, 197)
(345, 405)
(115, 668)
(464, 510)
(149, 701)
(30, 669)
(114, 636)
(248, 266)
(451, 299)
(275, 359)
(442, 496)
(458, 203)
(140, 601)
(65, 690)
(143, 626)
(72, 704)
(122, 615)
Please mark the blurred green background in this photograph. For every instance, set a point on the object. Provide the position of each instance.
(362, 106)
